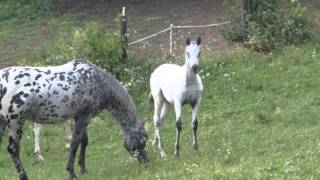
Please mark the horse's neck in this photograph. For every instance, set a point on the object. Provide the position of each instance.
(191, 78)
(121, 106)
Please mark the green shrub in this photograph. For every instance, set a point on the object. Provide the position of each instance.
(26, 8)
(100, 47)
(31, 7)
(272, 24)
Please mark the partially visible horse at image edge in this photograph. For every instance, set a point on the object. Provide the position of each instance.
(78, 90)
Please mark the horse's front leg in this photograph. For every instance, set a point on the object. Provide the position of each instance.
(177, 108)
(195, 115)
(80, 126)
(15, 134)
(37, 151)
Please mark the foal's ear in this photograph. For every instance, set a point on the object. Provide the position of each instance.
(199, 41)
(188, 41)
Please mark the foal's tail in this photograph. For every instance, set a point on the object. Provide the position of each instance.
(150, 99)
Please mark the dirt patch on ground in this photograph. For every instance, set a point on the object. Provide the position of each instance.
(146, 17)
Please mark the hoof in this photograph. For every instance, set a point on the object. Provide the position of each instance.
(83, 171)
(163, 154)
(73, 177)
(177, 154)
(154, 142)
(39, 157)
(24, 177)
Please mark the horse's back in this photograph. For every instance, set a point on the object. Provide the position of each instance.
(166, 79)
(44, 93)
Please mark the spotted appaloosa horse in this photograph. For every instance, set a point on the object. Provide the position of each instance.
(178, 85)
(78, 90)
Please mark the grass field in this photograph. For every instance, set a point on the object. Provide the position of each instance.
(259, 116)
(259, 120)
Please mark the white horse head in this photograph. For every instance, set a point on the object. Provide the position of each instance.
(193, 53)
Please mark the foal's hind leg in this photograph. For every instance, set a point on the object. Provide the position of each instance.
(164, 111)
(67, 128)
(80, 126)
(37, 151)
(177, 108)
(15, 134)
(158, 103)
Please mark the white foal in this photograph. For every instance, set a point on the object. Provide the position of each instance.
(37, 131)
(177, 85)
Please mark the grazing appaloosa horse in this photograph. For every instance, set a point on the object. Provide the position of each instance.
(178, 85)
(78, 90)
(37, 131)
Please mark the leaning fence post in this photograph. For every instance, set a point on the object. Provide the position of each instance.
(245, 12)
(170, 51)
(123, 34)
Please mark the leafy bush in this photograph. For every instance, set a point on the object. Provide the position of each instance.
(272, 24)
(26, 8)
(29, 7)
(100, 47)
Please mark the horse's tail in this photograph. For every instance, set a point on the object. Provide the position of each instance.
(150, 99)
(2, 129)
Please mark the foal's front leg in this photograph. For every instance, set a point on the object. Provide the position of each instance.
(195, 113)
(177, 108)
(79, 129)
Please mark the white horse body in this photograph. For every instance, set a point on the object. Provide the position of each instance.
(177, 85)
(171, 76)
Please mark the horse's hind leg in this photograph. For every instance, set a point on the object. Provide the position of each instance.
(37, 150)
(158, 103)
(82, 156)
(80, 126)
(15, 134)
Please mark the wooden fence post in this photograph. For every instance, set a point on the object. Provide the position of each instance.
(171, 43)
(245, 12)
(123, 34)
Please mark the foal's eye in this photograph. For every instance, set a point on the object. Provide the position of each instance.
(188, 55)
(199, 54)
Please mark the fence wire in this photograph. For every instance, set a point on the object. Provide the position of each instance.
(170, 40)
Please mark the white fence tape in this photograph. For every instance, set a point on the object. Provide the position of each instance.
(148, 37)
(176, 27)
(201, 26)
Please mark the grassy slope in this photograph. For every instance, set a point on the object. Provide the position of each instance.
(259, 119)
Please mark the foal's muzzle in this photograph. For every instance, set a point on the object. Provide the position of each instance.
(195, 69)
